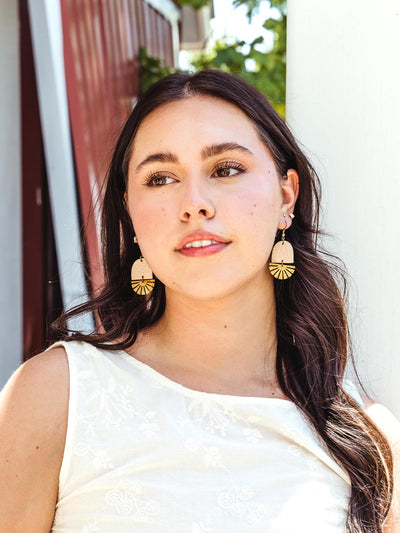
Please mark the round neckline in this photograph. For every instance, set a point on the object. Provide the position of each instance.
(170, 383)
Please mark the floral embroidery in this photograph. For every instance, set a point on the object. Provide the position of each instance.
(114, 404)
(127, 502)
(82, 449)
(149, 427)
(212, 457)
(204, 413)
(145, 455)
(100, 458)
(239, 505)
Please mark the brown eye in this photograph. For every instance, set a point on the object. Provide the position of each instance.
(228, 170)
(224, 172)
(161, 180)
(157, 180)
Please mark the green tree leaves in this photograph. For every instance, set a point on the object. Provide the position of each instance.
(254, 62)
(196, 4)
(266, 70)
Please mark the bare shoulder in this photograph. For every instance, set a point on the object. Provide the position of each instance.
(383, 418)
(33, 422)
(390, 427)
(38, 390)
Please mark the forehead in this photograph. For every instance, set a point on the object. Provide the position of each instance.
(194, 120)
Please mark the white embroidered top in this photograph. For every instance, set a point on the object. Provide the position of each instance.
(147, 455)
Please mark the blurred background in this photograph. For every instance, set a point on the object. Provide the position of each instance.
(71, 71)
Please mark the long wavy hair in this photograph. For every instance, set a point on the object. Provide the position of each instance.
(312, 331)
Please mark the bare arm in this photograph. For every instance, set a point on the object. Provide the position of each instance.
(33, 422)
(390, 426)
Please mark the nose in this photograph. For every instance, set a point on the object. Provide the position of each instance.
(196, 202)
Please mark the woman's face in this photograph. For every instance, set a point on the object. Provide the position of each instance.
(205, 197)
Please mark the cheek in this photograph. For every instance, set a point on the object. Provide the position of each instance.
(150, 219)
(261, 214)
(261, 208)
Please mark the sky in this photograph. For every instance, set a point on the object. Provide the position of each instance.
(230, 22)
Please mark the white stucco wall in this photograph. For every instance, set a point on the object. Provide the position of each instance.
(10, 195)
(343, 102)
(47, 44)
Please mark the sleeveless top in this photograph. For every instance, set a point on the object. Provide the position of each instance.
(148, 455)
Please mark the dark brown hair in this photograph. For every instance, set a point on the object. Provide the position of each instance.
(312, 330)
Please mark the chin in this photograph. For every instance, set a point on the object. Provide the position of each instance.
(208, 291)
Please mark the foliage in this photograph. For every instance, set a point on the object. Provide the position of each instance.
(196, 4)
(253, 6)
(151, 70)
(266, 70)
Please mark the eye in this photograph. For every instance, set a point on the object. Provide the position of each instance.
(227, 169)
(158, 179)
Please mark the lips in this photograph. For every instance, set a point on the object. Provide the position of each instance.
(200, 239)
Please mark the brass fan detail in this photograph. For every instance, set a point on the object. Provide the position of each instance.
(142, 280)
(282, 259)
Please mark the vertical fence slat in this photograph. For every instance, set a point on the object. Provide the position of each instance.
(102, 38)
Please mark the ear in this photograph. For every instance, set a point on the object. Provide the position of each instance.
(290, 192)
(126, 202)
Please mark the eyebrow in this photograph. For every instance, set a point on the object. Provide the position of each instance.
(216, 149)
(206, 153)
(160, 157)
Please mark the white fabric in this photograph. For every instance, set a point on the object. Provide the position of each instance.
(147, 455)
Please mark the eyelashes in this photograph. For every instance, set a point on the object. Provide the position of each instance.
(223, 169)
(156, 179)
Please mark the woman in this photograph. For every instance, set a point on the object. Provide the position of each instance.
(211, 398)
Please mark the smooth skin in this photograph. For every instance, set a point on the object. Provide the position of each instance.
(33, 424)
(218, 331)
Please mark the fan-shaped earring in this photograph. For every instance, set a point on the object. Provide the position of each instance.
(142, 280)
(282, 259)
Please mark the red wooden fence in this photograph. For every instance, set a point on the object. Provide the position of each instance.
(101, 41)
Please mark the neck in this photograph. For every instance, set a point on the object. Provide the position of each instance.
(229, 343)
